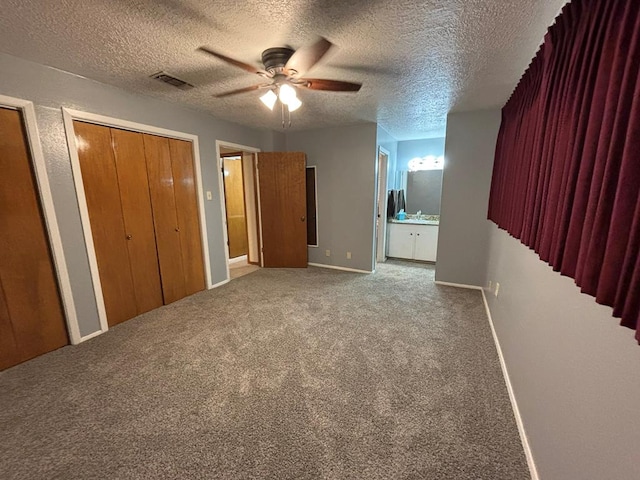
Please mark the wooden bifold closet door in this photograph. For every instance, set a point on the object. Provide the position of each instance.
(144, 218)
(31, 314)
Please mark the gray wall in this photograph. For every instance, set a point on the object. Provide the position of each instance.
(51, 89)
(572, 367)
(574, 370)
(409, 149)
(346, 162)
(424, 190)
(464, 236)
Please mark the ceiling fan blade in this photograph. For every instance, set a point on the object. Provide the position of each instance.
(242, 90)
(306, 57)
(330, 85)
(236, 63)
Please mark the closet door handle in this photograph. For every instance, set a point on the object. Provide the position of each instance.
(177, 229)
(302, 218)
(129, 237)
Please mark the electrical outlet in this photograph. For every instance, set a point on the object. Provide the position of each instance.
(497, 289)
(348, 255)
(209, 196)
(327, 253)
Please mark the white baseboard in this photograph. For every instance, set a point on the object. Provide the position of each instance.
(458, 285)
(334, 267)
(219, 284)
(241, 258)
(514, 404)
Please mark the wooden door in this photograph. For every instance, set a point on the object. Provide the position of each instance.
(131, 167)
(235, 207)
(165, 217)
(100, 180)
(31, 314)
(283, 208)
(186, 195)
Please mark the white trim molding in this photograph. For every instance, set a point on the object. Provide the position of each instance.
(344, 269)
(458, 285)
(69, 116)
(219, 284)
(46, 199)
(514, 403)
(241, 258)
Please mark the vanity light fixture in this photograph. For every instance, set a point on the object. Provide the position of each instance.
(430, 162)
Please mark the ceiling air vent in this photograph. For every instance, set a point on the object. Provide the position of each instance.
(171, 80)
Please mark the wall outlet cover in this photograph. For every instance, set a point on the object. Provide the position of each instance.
(327, 253)
(497, 289)
(348, 255)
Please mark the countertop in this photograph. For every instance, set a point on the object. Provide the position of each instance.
(416, 221)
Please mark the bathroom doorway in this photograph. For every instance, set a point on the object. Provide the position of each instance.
(237, 165)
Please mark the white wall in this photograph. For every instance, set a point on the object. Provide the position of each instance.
(346, 159)
(574, 370)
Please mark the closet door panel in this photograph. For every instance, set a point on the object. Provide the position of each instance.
(131, 167)
(29, 289)
(8, 347)
(102, 192)
(161, 187)
(184, 184)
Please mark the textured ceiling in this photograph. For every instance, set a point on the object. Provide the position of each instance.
(417, 60)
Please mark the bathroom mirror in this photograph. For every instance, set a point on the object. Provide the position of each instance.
(423, 192)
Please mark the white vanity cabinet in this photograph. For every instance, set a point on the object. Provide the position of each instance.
(412, 241)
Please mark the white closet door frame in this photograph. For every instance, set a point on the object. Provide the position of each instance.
(69, 116)
(46, 201)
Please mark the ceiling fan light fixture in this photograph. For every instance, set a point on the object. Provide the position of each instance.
(269, 99)
(294, 104)
(287, 94)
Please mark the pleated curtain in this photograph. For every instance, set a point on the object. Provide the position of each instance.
(566, 176)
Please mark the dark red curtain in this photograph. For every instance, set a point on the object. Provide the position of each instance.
(566, 177)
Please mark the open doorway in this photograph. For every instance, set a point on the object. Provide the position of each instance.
(381, 206)
(237, 165)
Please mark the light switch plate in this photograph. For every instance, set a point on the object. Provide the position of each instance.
(209, 196)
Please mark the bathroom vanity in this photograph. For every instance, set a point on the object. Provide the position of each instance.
(413, 239)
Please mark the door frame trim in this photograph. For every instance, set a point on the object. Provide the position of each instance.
(381, 236)
(48, 209)
(223, 203)
(69, 115)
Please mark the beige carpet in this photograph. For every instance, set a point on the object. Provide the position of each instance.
(281, 374)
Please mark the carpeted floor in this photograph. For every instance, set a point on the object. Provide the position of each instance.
(281, 374)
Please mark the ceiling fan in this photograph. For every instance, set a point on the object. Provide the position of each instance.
(285, 68)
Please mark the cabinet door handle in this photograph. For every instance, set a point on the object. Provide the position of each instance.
(177, 229)
(411, 234)
(417, 234)
(129, 237)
